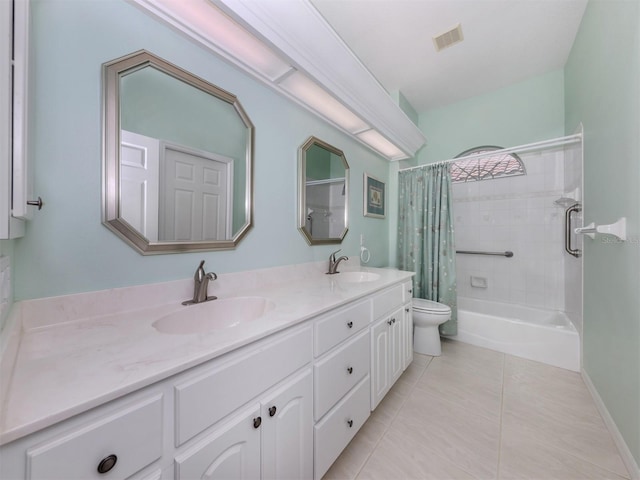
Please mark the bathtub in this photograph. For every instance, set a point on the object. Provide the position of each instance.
(546, 336)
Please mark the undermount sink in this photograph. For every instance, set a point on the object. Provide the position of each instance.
(214, 315)
(357, 277)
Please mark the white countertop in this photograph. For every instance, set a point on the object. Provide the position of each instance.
(76, 352)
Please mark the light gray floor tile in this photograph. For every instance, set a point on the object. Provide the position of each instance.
(554, 407)
(352, 459)
(413, 372)
(476, 413)
(397, 457)
(450, 431)
(524, 458)
(481, 394)
(388, 408)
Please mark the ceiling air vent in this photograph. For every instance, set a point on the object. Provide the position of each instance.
(448, 38)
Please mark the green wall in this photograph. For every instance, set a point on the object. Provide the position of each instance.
(525, 112)
(522, 113)
(603, 92)
(66, 249)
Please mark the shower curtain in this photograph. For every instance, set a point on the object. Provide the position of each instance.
(425, 236)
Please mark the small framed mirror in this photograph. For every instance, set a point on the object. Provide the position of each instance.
(177, 159)
(323, 192)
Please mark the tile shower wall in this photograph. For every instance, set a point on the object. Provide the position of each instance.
(516, 214)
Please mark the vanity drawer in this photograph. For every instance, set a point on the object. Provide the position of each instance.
(336, 374)
(221, 388)
(388, 300)
(337, 327)
(133, 435)
(337, 429)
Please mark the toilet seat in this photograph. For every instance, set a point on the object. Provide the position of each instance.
(429, 306)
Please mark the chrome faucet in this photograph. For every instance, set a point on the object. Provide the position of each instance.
(201, 285)
(333, 263)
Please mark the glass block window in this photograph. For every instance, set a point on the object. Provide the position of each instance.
(486, 167)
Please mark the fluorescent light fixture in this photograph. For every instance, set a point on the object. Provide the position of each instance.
(207, 23)
(376, 141)
(210, 23)
(303, 88)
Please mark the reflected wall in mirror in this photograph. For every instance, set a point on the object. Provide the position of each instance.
(323, 192)
(178, 155)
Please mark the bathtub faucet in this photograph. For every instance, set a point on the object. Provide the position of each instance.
(333, 263)
(201, 285)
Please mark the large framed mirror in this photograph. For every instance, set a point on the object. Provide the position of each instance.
(177, 158)
(323, 192)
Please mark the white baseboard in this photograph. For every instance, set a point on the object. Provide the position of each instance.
(625, 453)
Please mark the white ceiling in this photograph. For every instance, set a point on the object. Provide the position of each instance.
(505, 41)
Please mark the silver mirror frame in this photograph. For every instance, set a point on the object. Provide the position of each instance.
(111, 73)
(302, 192)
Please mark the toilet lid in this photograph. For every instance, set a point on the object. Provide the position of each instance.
(430, 306)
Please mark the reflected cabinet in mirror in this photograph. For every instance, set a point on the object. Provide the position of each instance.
(323, 192)
(178, 154)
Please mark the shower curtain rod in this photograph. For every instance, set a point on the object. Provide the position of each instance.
(518, 149)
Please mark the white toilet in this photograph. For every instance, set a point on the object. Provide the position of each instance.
(427, 316)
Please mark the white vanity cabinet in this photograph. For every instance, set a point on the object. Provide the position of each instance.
(269, 439)
(341, 380)
(407, 324)
(272, 437)
(117, 439)
(284, 406)
(391, 346)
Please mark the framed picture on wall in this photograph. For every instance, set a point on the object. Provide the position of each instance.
(374, 197)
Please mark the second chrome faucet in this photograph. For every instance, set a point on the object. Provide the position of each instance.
(201, 286)
(333, 262)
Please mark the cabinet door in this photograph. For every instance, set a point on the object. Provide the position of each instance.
(380, 358)
(231, 452)
(396, 344)
(407, 324)
(287, 430)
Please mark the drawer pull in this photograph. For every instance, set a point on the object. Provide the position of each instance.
(107, 463)
(272, 411)
(256, 422)
(350, 423)
(350, 370)
(350, 324)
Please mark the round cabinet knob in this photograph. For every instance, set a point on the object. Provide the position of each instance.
(107, 463)
(389, 322)
(272, 411)
(406, 310)
(393, 320)
(410, 290)
(350, 324)
(350, 423)
(257, 422)
(350, 370)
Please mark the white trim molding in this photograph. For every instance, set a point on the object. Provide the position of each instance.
(623, 448)
(290, 47)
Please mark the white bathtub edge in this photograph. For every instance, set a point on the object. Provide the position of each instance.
(559, 347)
(627, 457)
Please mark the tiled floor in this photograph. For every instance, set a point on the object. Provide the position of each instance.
(474, 413)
